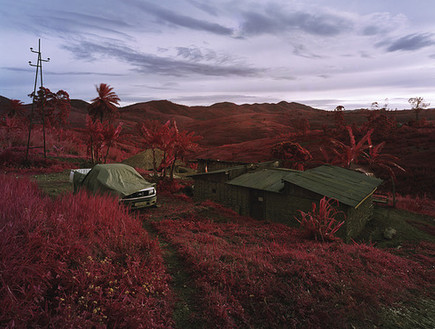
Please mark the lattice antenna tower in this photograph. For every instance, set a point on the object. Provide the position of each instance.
(38, 66)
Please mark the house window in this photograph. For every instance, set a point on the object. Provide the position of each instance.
(260, 199)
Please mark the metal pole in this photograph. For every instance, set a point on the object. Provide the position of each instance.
(38, 70)
(43, 98)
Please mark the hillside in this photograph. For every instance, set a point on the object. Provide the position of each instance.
(248, 132)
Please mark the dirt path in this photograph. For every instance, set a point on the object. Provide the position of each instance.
(186, 307)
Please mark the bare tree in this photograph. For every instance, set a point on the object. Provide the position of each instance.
(418, 104)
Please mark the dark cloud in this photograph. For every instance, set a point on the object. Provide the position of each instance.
(274, 21)
(174, 18)
(69, 73)
(196, 55)
(69, 23)
(159, 65)
(189, 53)
(411, 42)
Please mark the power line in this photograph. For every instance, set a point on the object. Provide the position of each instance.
(38, 66)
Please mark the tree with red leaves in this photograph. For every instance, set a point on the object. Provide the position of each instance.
(292, 154)
(183, 143)
(151, 132)
(104, 106)
(167, 138)
(110, 136)
(94, 129)
(53, 107)
(101, 135)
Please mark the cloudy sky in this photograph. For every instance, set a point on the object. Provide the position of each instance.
(322, 53)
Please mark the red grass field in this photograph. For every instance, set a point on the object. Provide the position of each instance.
(83, 261)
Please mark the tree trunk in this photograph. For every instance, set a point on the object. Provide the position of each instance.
(92, 150)
(154, 161)
(107, 153)
(173, 168)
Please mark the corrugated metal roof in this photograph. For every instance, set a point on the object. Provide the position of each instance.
(266, 179)
(346, 186)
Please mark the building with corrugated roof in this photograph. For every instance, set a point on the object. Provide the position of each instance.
(265, 192)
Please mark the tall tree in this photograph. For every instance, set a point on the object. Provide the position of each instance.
(55, 107)
(104, 106)
(418, 104)
(183, 143)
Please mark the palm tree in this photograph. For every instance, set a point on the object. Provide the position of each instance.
(105, 104)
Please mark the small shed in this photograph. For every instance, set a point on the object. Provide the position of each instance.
(353, 190)
(277, 194)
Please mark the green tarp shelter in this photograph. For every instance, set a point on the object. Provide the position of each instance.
(115, 178)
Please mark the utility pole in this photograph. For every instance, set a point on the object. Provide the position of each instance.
(38, 66)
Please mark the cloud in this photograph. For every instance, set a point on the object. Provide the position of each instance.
(150, 63)
(196, 54)
(412, 42)
(204, 7)
(274, 20)
(174, 18)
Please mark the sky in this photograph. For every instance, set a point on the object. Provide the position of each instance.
(321, 53)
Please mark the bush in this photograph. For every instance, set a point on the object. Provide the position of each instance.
(320, 224)
(80, 261)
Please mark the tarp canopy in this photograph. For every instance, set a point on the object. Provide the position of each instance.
(114, 178)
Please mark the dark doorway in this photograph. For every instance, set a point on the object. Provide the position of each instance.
(257, 208)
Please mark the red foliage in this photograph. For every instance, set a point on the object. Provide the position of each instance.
(302, 125)
(100, 136)
(53, 108)
(254, 274)
(421, 205)
(77, 262)
(292, 155)
(16, 109)
(167, 138)
(348, 154)
(382, 161)
(321, 224)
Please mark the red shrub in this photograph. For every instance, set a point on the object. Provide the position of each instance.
(321, 224)
(77, 262)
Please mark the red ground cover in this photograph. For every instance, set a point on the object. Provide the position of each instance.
(256, 274)
(78, 262)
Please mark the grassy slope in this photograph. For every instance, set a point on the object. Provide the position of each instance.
(414, 315)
